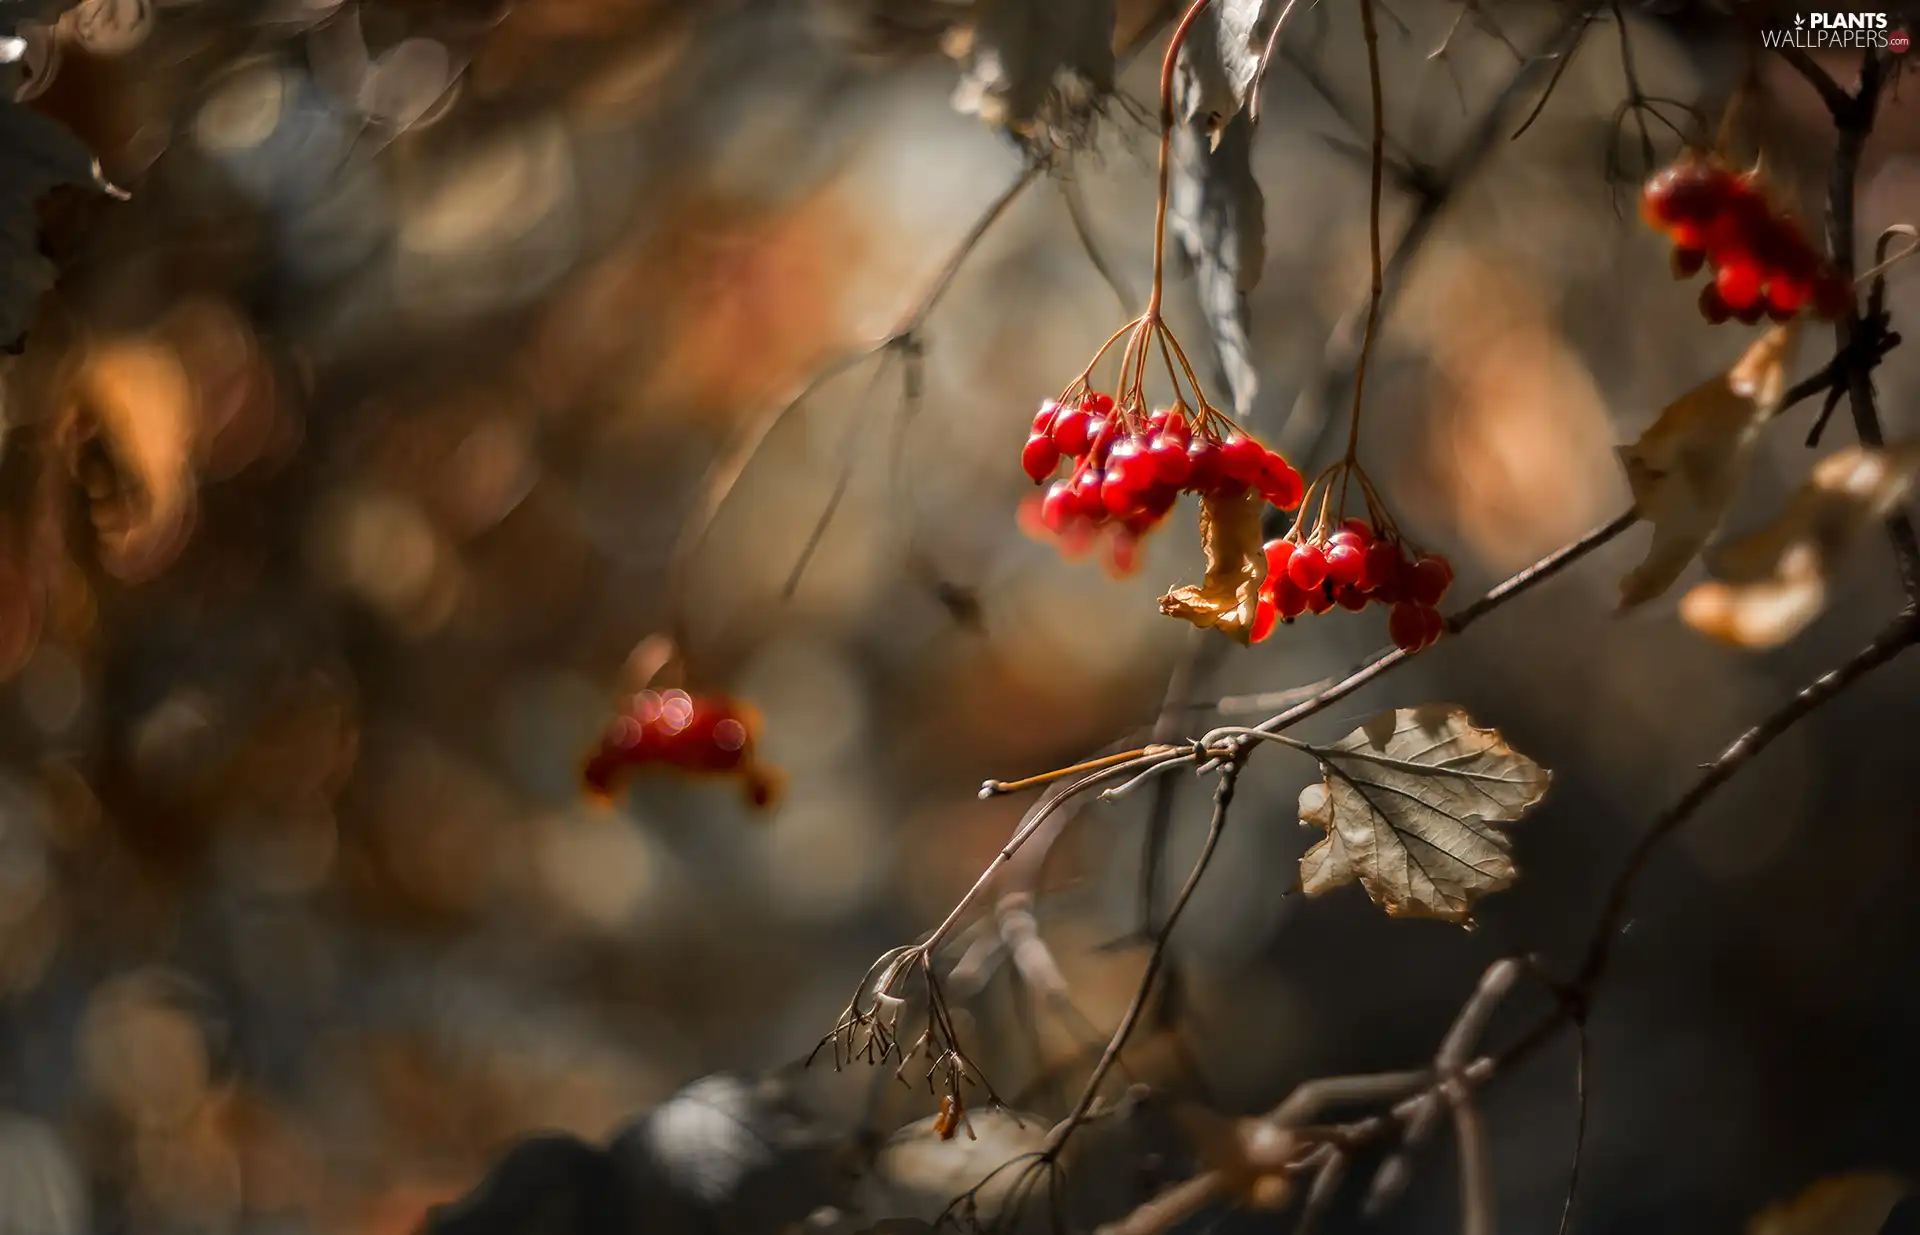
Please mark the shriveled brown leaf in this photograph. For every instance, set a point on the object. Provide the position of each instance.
(1409, 805)
(1685, 468)
(1035, 67)
(1856, 1203)
(1773, 583)
(1236, 567)
(133, 435)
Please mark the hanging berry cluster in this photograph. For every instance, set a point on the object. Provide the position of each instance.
(674, 731)
(1128, 470)
(1762, 262)
(1355, 567)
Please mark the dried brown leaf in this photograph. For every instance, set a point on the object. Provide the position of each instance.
(1686, 466)
(1409, 803)
(133, 437)
(1852, 1204)
(1219, 60)
(1035, 67)
(1236, 567)
(1773, 583)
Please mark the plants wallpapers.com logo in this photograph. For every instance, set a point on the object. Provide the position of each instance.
(1838, 32)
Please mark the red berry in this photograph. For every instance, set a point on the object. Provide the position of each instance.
(1170, 462)
(1346, 564)
(1738, 284)
(1712, 307)
(1691, 191)
(1158, 500)
(1788, 295)
(1359, 529)
(1307, 567)
(1319, 599)
(1266, 616)
(1427, 580)
(1097, 403)
(1382, 565)
(1168, 422)
(1351, 599)
(1686, 262)
(1106, 432)
(1289, 598)
(1243, 459)
(1281, 485)
(1433, 627)
(1752, 313)
(1129, 473)
(1123, 554)
(1087, 503)
(1203, 465)
(1072, 431)
(1039, 458)
(1279, 553)
(1043, 419)
(1059, 506)
(1407, 627)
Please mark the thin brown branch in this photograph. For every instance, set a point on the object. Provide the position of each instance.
(1222, 801)
(1853, 117)
(1310, 412)
(1579, 1126)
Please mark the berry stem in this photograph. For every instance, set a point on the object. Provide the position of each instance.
(1372, 34)
(1166, 154)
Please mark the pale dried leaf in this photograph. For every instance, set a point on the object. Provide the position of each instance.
(1687, 465)
(1853, 1204)
(1035, 67)
(36, 155)
(1218, 214)
(1774, 582)
(1410, 804)
(1219, 59)
(1236, 567)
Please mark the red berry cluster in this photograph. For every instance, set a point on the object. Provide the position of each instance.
(1129, 471)
(1353, 568)
(1762, 262)
(674, 730)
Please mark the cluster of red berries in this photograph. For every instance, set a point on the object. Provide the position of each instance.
(1128, 473)
(1353, 568)
(1762, 262)
(672, 729)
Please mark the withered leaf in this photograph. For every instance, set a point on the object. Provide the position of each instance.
(1410, 804)
(133, 425)
(1219, 59)
(1852, 1204)
(1774, 582)
(1218, 214)
(1035, 67)
(1236, 567)
(1687, 465)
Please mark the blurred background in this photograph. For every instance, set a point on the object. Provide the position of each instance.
(345, 468)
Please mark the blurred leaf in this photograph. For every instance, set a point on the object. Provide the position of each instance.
(1218, 213)
(1218, 61)
(1851, 1204)
(1035, 67)
(134, 433)
(36, 155)
(1774, 582)
(1236, 566)
(1409, 803)
(545, 1185)
(41, 1192)
(1686, 466)
(726, 1155)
